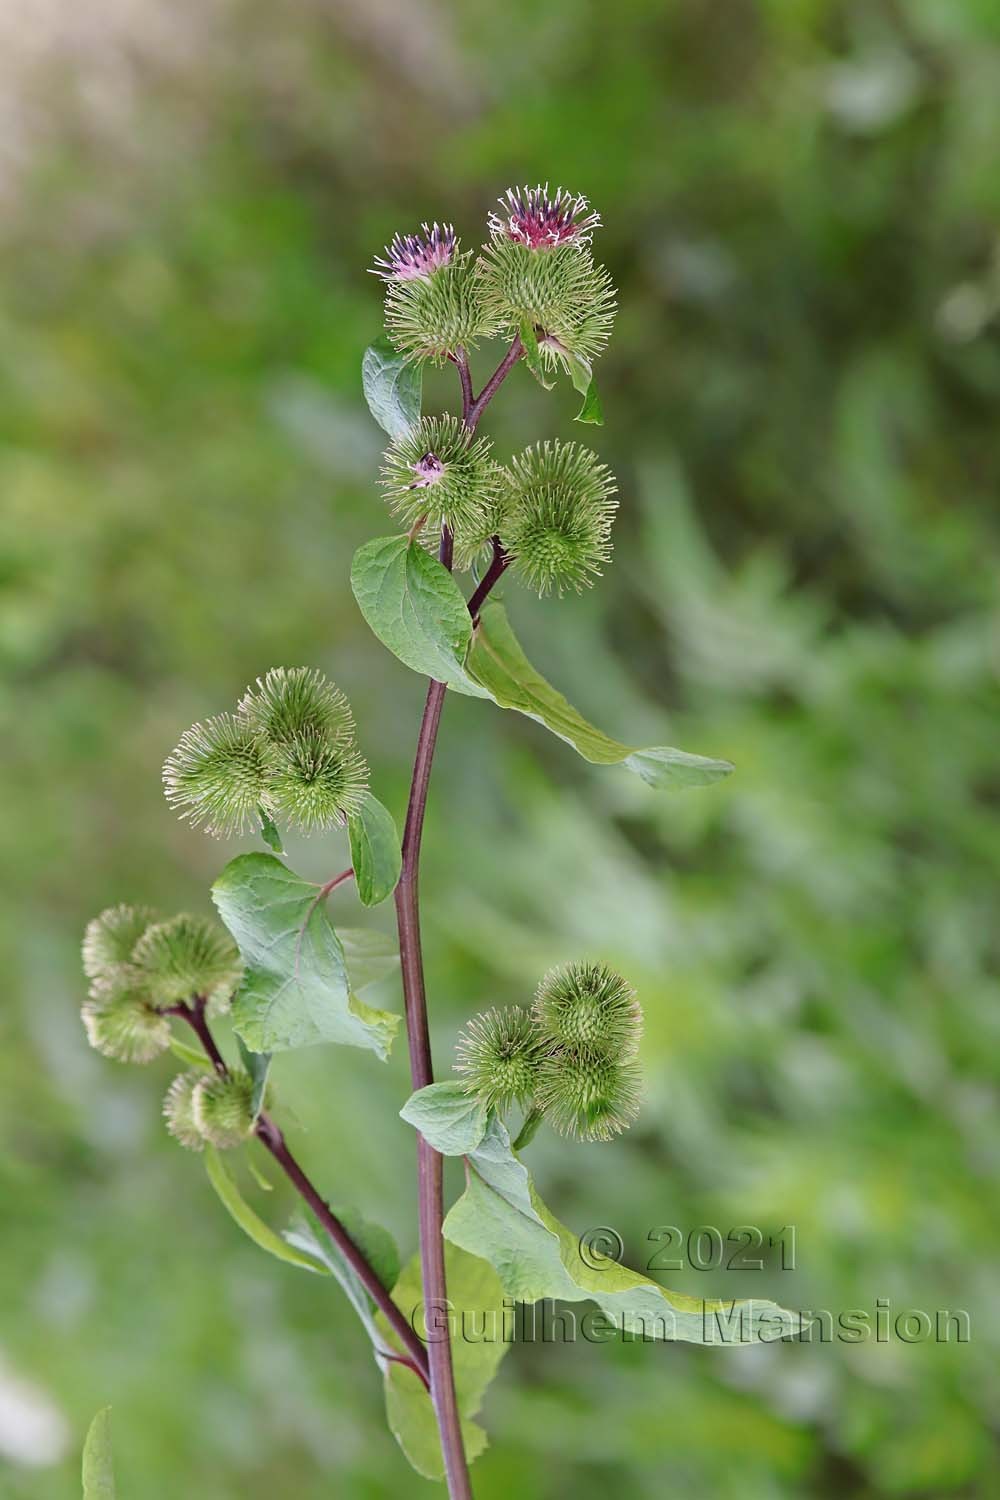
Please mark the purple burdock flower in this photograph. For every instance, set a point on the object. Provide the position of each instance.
(428, 470)
(530, 217)
(413, 257)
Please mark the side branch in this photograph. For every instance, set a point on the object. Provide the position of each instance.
(273, 1140)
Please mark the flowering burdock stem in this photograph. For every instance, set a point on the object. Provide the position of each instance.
(429, 1162)
(496, 380)
(272, 1139)
(493, 573)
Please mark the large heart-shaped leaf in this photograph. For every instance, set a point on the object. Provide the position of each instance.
(375, 853)
(501, 1217)
(498, 663)
(392, 387)
(295, 990)
(415, 607)
(480, 1337)
(371, 955)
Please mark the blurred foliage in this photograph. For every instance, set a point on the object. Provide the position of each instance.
(802, 213)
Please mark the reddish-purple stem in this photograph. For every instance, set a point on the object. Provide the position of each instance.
(429, 1162)
(273, 1140)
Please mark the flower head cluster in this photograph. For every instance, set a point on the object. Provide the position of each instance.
(432, 306)
(537, 269)
(439, 470)
(410, 257)
(212, 1107)
(139, 967)
(288, 751)
(556, 510)
(589, 1081)
(570, 1059)
(533, 217)
(498, 1054)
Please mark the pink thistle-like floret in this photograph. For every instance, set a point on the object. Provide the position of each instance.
(534, 218)
(411, 257)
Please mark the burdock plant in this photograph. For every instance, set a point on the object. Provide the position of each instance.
(276, 973)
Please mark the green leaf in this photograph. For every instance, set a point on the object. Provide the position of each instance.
(480, 1339)
(532, 357)
(498, 663)
(258, 1065)
(375, 852)
(448, 1118)
(371, 955)
(98, 1460)
(295, 990)
(591, 410)
(581, 372)
(379, 1248)
(415, 607)
(269, 831)
(252, 1225)
(191, 1057)
(501, 1217)
(392, 387)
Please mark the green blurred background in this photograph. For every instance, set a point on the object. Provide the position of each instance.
(802, 211)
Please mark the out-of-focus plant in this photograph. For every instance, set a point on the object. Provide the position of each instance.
(287, 755)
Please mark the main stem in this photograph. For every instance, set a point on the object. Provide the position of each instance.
(430, 1165)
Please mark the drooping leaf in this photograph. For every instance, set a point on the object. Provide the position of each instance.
(258, 1065)
(392, 387)
(269, 831)
(581, 372)
(501, 1217)
(375, 852)
(591, 410)
(497, 661)
(380, 1250)
(415, 607)
(295, 991)
(191, 1057)
(252, 1225)
(532, 357)
(98, 1459)
(480, 1338)
(448, 1118)
(371, 955)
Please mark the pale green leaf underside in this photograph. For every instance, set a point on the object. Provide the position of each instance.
(371, 955)
(258, 1065)
(501, 1217)
(250, 1222)
(448, 1118)
(295, 990)
(478, 1345)
(416, 609)
(498, 663)
(375, 853)
(378, 1246)
(392, 387)
(98, 1460)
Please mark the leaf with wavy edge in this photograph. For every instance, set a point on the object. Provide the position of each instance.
(501, 1218)
(392, 387)
(497, 662)
(478, 1322)
(295, 991)
(415, 607)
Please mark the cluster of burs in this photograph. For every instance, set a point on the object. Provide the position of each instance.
(288, 751)
(142, 972)
(552, 506)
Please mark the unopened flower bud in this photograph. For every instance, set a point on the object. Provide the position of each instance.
(498, 1056)
(222, 1108)
(121, 1021)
